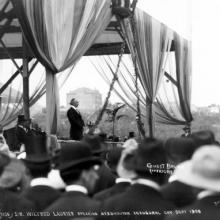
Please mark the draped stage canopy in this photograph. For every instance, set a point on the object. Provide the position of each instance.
(58, 33)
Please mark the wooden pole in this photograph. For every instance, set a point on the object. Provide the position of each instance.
(151, 119)
(25, 76)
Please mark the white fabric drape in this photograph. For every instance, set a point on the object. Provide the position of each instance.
(59, 33)
(174, 97)
(149, 41)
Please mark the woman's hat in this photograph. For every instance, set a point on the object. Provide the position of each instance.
(203, 170)
(76, 153)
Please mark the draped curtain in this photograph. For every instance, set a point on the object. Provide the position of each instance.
(124, 87)
(59, 33)
(149, 41)
(174, 97)
(12, 104)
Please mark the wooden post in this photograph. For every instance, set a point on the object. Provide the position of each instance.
(151, 120)
(25, 76)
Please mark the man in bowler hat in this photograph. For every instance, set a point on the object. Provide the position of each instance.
(78, 171)
(76, 121)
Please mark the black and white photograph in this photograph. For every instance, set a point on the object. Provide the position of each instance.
(109, 109)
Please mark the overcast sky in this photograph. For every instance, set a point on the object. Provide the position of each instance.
(196, 20)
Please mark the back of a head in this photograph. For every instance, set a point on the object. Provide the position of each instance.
(204, 137)
(94, 142)
(179, 149)
(147, 160)
(113, 157)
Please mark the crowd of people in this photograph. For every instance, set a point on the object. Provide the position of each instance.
(173, 179)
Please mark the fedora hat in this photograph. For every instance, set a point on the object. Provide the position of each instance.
(149, 151)
(12, 174)
(77, 153)
(36, 147)
(203, 170)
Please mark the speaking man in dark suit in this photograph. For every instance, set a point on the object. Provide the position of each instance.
(76, 121)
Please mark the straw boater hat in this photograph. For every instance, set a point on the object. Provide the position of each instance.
(203, 170)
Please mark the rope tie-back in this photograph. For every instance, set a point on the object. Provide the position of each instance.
(115, 78)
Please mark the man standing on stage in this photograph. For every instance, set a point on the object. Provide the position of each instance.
(76, 121)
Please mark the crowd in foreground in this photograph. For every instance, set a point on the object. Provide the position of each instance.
(174, 179)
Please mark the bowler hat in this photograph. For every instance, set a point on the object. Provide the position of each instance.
(77, 153)
(149, 151)
(94, 141)
(203, 170)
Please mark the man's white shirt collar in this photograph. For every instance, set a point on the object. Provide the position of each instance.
(147, 182)
(42, 181)
(205, 193)
(74, 107)
(122, 180)
(77, 188)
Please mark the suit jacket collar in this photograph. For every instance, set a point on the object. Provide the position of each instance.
(143, 191)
